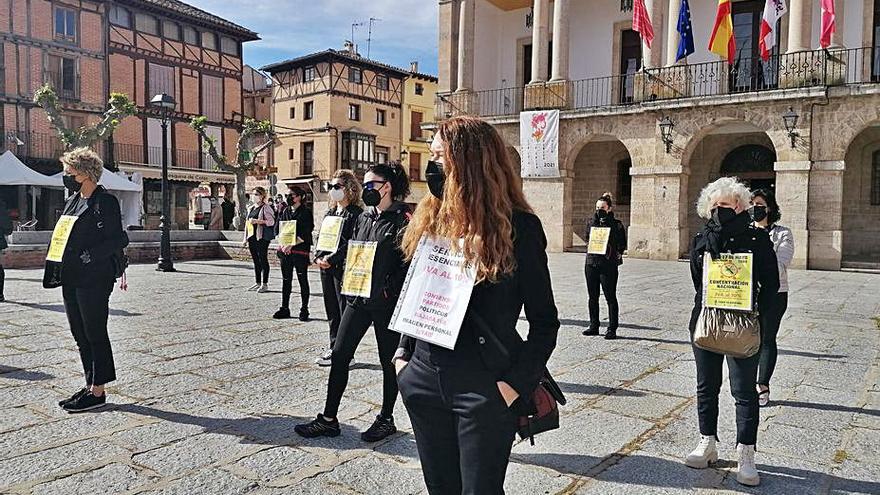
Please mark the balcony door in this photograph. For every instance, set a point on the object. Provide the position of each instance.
(527, 62)
(630, 63)
(307, 167)
(875, 66)
(749, 72)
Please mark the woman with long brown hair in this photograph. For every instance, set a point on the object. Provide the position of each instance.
(463, 402)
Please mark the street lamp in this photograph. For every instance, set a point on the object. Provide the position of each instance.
(165, 104)
(403, 155)
(790, 118)
(666, 126)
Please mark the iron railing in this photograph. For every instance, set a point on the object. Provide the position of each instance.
(38, 146)
(152, 156)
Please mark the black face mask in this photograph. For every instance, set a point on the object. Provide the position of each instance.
(436, 178)
(722, 215)
(371, 197)
(758, 213)
(71, 184)
(601, 215)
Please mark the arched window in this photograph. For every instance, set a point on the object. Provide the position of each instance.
(753, 163)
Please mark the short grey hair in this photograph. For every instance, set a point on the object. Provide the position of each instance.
(725, 187)
(84, 161)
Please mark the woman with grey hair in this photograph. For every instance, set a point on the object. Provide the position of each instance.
(724, 204)
(82, 260)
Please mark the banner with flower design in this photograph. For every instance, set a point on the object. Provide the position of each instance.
(539, 142)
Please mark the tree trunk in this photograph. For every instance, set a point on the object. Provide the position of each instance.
(240, 199)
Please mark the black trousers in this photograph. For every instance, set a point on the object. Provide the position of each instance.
(2, 273)
(463, 428)
(289, 263)
(772, 319)
(352, 328)
(87, 311)
(743, 374)
(606, 276)
(260, 254)
(334, 301)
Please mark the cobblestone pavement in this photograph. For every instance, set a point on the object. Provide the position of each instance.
(210, 387)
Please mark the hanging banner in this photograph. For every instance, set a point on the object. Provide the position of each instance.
(727, 282)
(435, 294)
(328, 238)
(539, 141)
(287, 233)
(598, 243)
(60, 236)
(357, 280)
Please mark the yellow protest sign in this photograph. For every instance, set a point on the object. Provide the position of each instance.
(357, 279)
(727, 281)
(598, 242)
(60, 236)
(331, 230)
(287, 233)
(248, 229)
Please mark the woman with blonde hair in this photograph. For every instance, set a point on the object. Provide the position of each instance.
(345, 208)
(463, 403)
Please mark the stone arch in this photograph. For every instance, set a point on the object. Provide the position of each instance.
(860, 205)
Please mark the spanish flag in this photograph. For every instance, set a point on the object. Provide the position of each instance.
(722, 42)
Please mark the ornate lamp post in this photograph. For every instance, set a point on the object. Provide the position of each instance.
(165, 104)
(790, 118)
(666, 126)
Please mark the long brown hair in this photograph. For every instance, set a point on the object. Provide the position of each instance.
(481, 191)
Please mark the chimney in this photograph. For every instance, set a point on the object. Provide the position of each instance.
(349, 47)
(414, 66)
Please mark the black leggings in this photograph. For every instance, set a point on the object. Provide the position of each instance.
(743, 373)
(352, 328)
(289, 262)
(87, 310)
(606, 276)
(2, 273)
(771, 319)
(260, 254)
(334, 301)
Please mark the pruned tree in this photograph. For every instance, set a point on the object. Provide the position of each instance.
(119, 106)
(245, 156)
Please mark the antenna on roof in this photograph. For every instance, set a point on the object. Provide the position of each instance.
(370, 34)
(353, 26)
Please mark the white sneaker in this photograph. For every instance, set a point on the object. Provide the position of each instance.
(253, 287)
(324, 359)
(705, 453)
(746, 471)
(263, 288)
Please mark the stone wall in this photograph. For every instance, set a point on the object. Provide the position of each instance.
(861, 219)
(595, 172)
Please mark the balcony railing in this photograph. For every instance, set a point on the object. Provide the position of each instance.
(818, 68)
(152, 156)
(37, 146)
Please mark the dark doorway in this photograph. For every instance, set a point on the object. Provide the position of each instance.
(630, 63)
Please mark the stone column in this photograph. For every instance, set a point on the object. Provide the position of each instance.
(548, 197)
(837, 40)
(800, 25)
(467, 12)
(651, 57)
(792, 190)
(825, 215)
(672, 37)
(539, 41)
(560, 41)
(448, 46)
(658, 219)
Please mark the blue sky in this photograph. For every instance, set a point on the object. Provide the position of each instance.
(290, 28)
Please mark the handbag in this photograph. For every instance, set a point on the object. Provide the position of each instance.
(732, 333)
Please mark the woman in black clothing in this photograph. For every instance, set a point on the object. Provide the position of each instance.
(724, 203)
(5, 230)
(379, 228)
(86, 271)
(463, 403)
(295, 256)
(259, 232)
(345, 199)
(601, 268)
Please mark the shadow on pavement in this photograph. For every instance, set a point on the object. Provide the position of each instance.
(586, 324)
(582, 388)
(23, 374)
(788, 352)
(59, 308)
(825, 407)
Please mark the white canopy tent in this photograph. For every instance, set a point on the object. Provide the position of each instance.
(15, 173)
(128, 193)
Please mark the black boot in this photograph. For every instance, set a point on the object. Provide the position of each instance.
(591, 331)
(611, 334)
(304, 314)
(282, 313)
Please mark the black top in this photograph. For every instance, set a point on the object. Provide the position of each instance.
(389, 267)
(350, 216)
(305, 224)
(228, 212)
(498, 306)
(97, 233)
(5, 225)
(737, 236)
(616, 241)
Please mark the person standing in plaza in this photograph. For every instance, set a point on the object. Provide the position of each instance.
(463, 403)
(259, 232)
(296, 254)
(228, 212)
(765, 214)
(82, 261)
(606, 243)
(345, 207)
(374, 254)
(5, 230)
(724, 204)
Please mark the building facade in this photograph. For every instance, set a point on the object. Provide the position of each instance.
(256, 90)
(418, 108)
(805, 123)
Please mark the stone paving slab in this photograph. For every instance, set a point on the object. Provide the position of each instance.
(210, 388)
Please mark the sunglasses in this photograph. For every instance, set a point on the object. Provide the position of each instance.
(336, 186)
(372, 184)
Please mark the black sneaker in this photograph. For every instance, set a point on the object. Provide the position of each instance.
(281, 314)
(2, 299)
(382, 428)
(591, 331)
(73, 397)
(319, 427)
(610, 334)
(85, 402)
(304, 314)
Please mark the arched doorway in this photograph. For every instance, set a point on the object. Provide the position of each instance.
(602, 165)
(860, 207)
(753, 163)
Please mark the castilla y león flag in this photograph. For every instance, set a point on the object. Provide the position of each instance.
(722, 41)
(773, 11)
(828, 21)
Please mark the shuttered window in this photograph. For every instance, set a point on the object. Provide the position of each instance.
(162, 81)
(212, 98)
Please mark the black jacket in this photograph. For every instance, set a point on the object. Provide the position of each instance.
(498, 306)
(350, 216)
(389, 267)
(738, 237)
(98, 231)
(305, 224)
(616, 242)
(5, 225)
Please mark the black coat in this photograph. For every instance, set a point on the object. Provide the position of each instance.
(5, 225)
(389, 267)
(498, 306)
(616, 242)
(744, 238)
(350, 216)
(305, 224)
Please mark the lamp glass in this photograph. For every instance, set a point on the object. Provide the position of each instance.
(790, 118)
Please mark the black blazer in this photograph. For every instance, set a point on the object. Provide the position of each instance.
(616, 243)
(305, 224)
(389, 267)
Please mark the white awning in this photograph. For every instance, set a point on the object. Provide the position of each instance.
(15, 173)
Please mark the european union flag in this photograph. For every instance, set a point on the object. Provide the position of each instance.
(685, 31)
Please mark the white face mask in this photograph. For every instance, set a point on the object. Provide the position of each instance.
(337, 194)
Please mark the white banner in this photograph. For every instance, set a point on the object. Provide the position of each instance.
(539, 140)
(435, 294)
